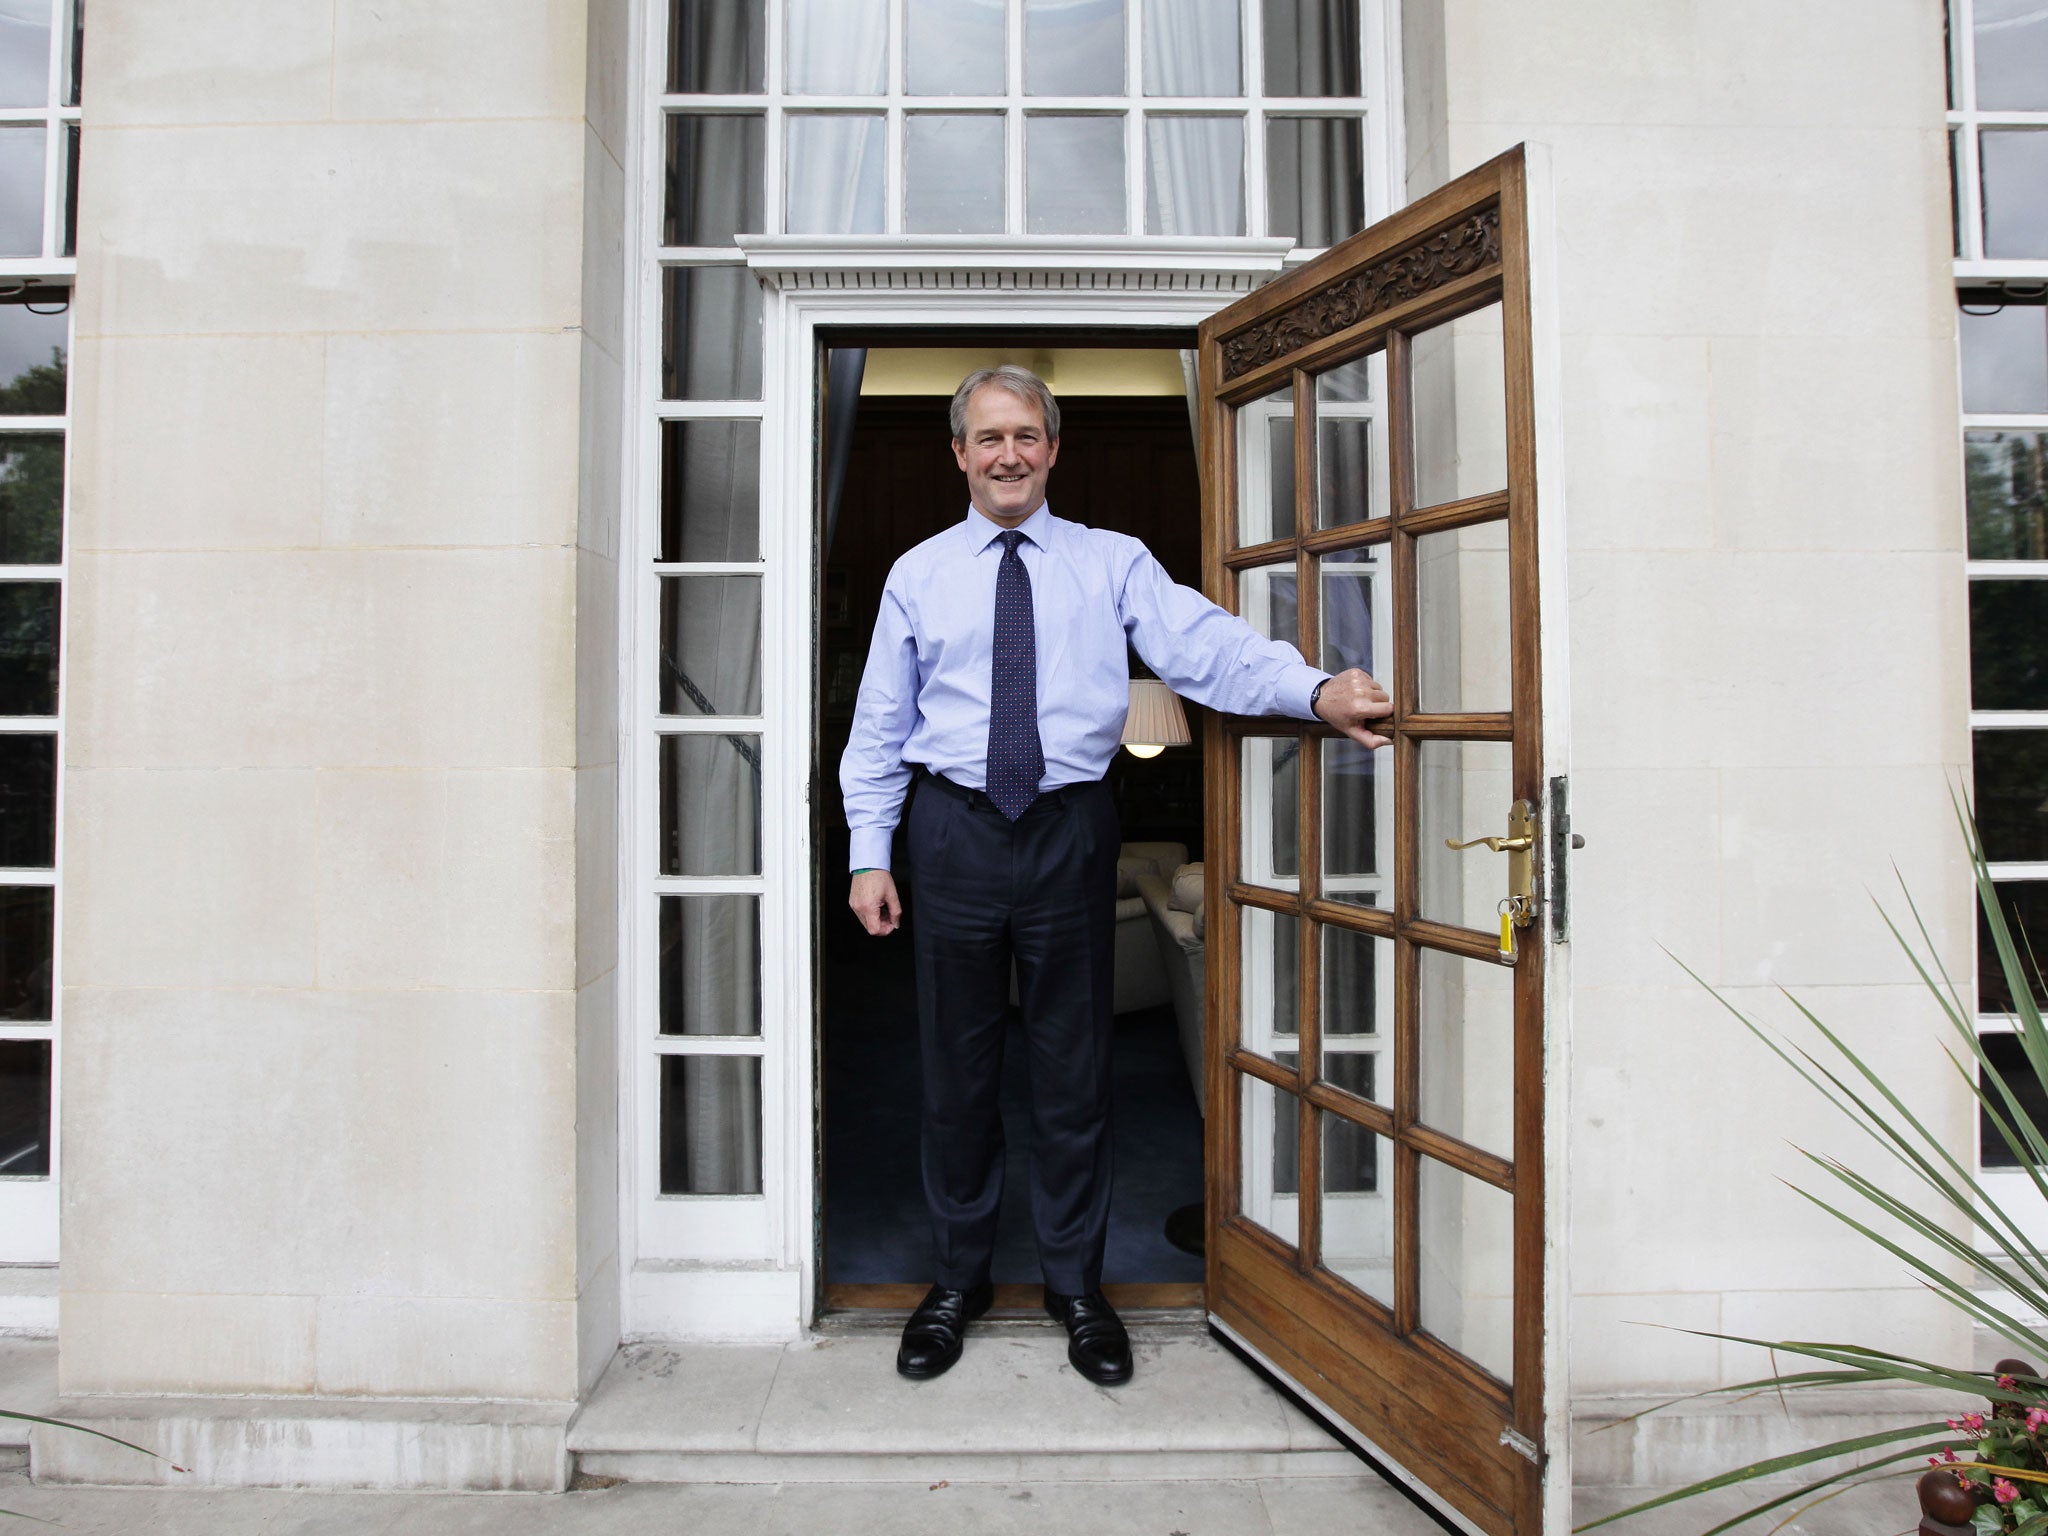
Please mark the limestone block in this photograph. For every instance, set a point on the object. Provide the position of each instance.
(1636, 421)
(149, 1341)
(229, 61)
(439, 1346)
(479, 59)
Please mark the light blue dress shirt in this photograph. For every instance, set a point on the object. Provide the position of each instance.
(924, 698)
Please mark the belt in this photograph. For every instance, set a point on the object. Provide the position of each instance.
(1058, 795)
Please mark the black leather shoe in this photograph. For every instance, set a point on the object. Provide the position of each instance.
(936, 1330)
(1097, 1345)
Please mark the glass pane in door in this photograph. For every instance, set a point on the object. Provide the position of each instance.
(1462, 792)
(1358, 1207)
(1268, 599)
(1270, 1178)
(1358, 823)
(1271, 966)
(1265, 467)
(1467, 1241)
(1458, 382)
(1461, 615)
(1351, 476)
(1271, 786)
(1356, 600)
(1465, 1050)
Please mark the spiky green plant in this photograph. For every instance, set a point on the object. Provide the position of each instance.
(1951, 1221)
(36, 1418)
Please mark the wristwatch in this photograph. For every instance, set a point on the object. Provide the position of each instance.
(1317, 693)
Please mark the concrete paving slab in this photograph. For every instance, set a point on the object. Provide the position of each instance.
(1877, 1509)
(679, 1397)
(1362, 1502)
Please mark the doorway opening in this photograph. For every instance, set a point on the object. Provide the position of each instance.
(1127, 462)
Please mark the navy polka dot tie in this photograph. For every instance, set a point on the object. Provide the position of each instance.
(1016, 760)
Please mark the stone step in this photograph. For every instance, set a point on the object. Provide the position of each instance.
(832, 1409)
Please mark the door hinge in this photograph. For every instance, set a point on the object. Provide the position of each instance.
(1562, 841)
(1520, 1443)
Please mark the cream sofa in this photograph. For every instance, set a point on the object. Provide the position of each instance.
(1142, 981)
(1174, 911)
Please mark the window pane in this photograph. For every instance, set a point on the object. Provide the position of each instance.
(28, 801)
(1271, 1019)
(710, 645)
(31, 499)
(2015, 169)
(710, 965)
(1355, 587)
(1358, 1207)
(711, 1125)
(1312, 48)
(1194, 173)
(1074, 47)
(2008, 479)
(710, 805)
(710, 490)
(1955, 190)
(2011, 777)
(24, 53)
(711, 334)
(1465, 1050)
(1271, 769)
(68, 237)
(713, 189)
(24, 1109)
(1458, 378)
(28, 647)
(2025, 904)
(2009, 1057)
(1462, 792)
(27, 925)
(1192, 48)
(74, 56)
(2012, 55)
(2009, 645)
(1315, 178)
(35, 342)
(2005, 354)
(1265, 468)
(21, 191)
(1358, 997)
(952, 174)
(1074, 175)
(716, 46)
(1358, 833)
(956, 47)
(1266, 598)
(1462, 622)
(1271, 1175)
(1467, 1235)
(836, 173)
(838, 47)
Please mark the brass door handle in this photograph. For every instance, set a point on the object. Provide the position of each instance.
(1498, 844)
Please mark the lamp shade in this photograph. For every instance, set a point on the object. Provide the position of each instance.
(1156, 720)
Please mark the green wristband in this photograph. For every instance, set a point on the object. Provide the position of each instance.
(870, 871)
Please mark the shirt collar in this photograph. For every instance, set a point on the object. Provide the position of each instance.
(983, 531)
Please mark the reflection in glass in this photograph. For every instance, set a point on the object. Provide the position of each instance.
(1315, 178)
(1074, 47)
(1271, 1177)
(24, 53)
(2009, 645)
(28, 801)
(2012, 55)
(710, 334)
(1194, 175)
(710, 805)
(838, 47)
(1358, 823)
(710, 490)
(1358, 1206)
(1348, 489)
(1271, 968)
(28, 915)
(1463, 791)
(2008, 489)
(1458, 375)
(953, 173)
(1465, 1050)
(2015, 179)
(2025, 904)
(31, 498)
(2009, 1055)
(74, 56)
(1312, 47)
(21, 191)
(710, 965)
(710, 1125)
(1354, 599)
(1467, 1238)
(68, 241)
(956, 47)
(24, 1109)
(713, 177)
(2011, 795)
(715, 46)
(2005, 353)
(1266, 596)
(1192, 48)
(1463, 647)
(1358, 993)
(1074, 175)
(28, 647)
(837, 166)
(35, 340)
(710, 645)
(1272, 797)
(1265, 467)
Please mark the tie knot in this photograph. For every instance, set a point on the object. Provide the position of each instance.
(1010, 538)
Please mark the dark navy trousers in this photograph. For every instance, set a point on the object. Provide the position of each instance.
(1040, 892)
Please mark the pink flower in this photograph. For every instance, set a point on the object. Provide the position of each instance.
(1948, 1456)
(2008, 1384)
(2036, 1419)
(2003, 1491)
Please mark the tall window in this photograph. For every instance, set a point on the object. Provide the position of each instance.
(1998, 136)
(909, 118)
(39, 92)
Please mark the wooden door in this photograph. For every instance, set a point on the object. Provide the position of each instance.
(1375, 1095)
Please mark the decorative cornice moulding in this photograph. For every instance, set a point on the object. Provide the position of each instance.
(1015, 264)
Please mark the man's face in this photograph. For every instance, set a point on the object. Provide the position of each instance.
(1005, 455)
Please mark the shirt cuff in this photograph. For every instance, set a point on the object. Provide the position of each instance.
(1295, 688)
(870, 847)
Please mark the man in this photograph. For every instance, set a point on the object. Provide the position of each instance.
(998, 678)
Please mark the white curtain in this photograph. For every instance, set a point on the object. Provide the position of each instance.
(838, 47)
(1192, 48)
(1194, 175)
(837, 170)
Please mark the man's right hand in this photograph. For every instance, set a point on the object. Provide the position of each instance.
(875, 902)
